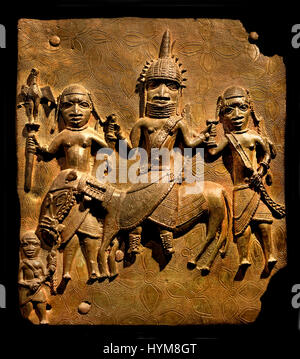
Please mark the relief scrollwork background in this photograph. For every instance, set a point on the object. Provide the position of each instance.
(106, 56)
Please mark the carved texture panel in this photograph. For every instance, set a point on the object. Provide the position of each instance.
(106, 56)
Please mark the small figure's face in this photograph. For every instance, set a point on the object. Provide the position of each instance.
(162, 92)
(76, 110)
(112, 118)
(236, 114)
(31, 247)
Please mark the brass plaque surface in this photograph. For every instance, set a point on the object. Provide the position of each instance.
(153, 279)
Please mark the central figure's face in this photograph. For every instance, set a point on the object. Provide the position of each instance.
(236, 113)
(31, 247)
(162, 92)
(76, 110)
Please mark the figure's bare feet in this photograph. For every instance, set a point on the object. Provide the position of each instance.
(44, 321)
(204, 269)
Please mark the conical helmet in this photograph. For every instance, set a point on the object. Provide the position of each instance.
(166, 67)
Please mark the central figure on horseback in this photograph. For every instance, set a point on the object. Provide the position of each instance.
(171, 206)
(161, 126)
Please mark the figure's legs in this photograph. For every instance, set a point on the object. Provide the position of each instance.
(167, 241)
(135, 236)
(68, 256)
(90, 249)
(243, 242)
(40, 309)
(26, 310)
(265, 238)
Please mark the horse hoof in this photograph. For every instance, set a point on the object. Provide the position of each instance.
(268, 267)
(191, 264)
(95, 275)
(67, 276)
(222, 252)
(93, 278)
(205, 270)
(272, 261)
(245, 264)
(113, 276)
(103, 276)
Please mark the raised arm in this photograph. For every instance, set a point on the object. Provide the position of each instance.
(188, 141)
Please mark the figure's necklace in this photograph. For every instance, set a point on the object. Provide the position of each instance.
(241, 131)
(155, 111)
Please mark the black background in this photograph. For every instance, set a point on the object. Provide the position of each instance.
(277, 325)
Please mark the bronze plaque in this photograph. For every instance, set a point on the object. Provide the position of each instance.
(103, 252)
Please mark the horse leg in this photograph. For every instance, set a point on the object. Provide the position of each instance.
(90, 251)
(223, 240)
(102, 261)
(216, 216)
(111, 229)
(112, 259)
(211, 230)
(68, 256)
(205, 269)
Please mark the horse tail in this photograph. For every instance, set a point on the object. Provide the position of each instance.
(226, 231)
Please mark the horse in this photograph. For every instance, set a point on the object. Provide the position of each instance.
(125, 210)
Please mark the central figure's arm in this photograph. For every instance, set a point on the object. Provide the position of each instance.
(135, 134)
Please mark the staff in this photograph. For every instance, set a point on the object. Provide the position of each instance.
(30, 97)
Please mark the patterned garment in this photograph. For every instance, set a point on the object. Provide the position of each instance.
(247, 207)
(178, 208)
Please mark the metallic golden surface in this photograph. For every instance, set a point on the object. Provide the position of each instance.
(153, 277)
